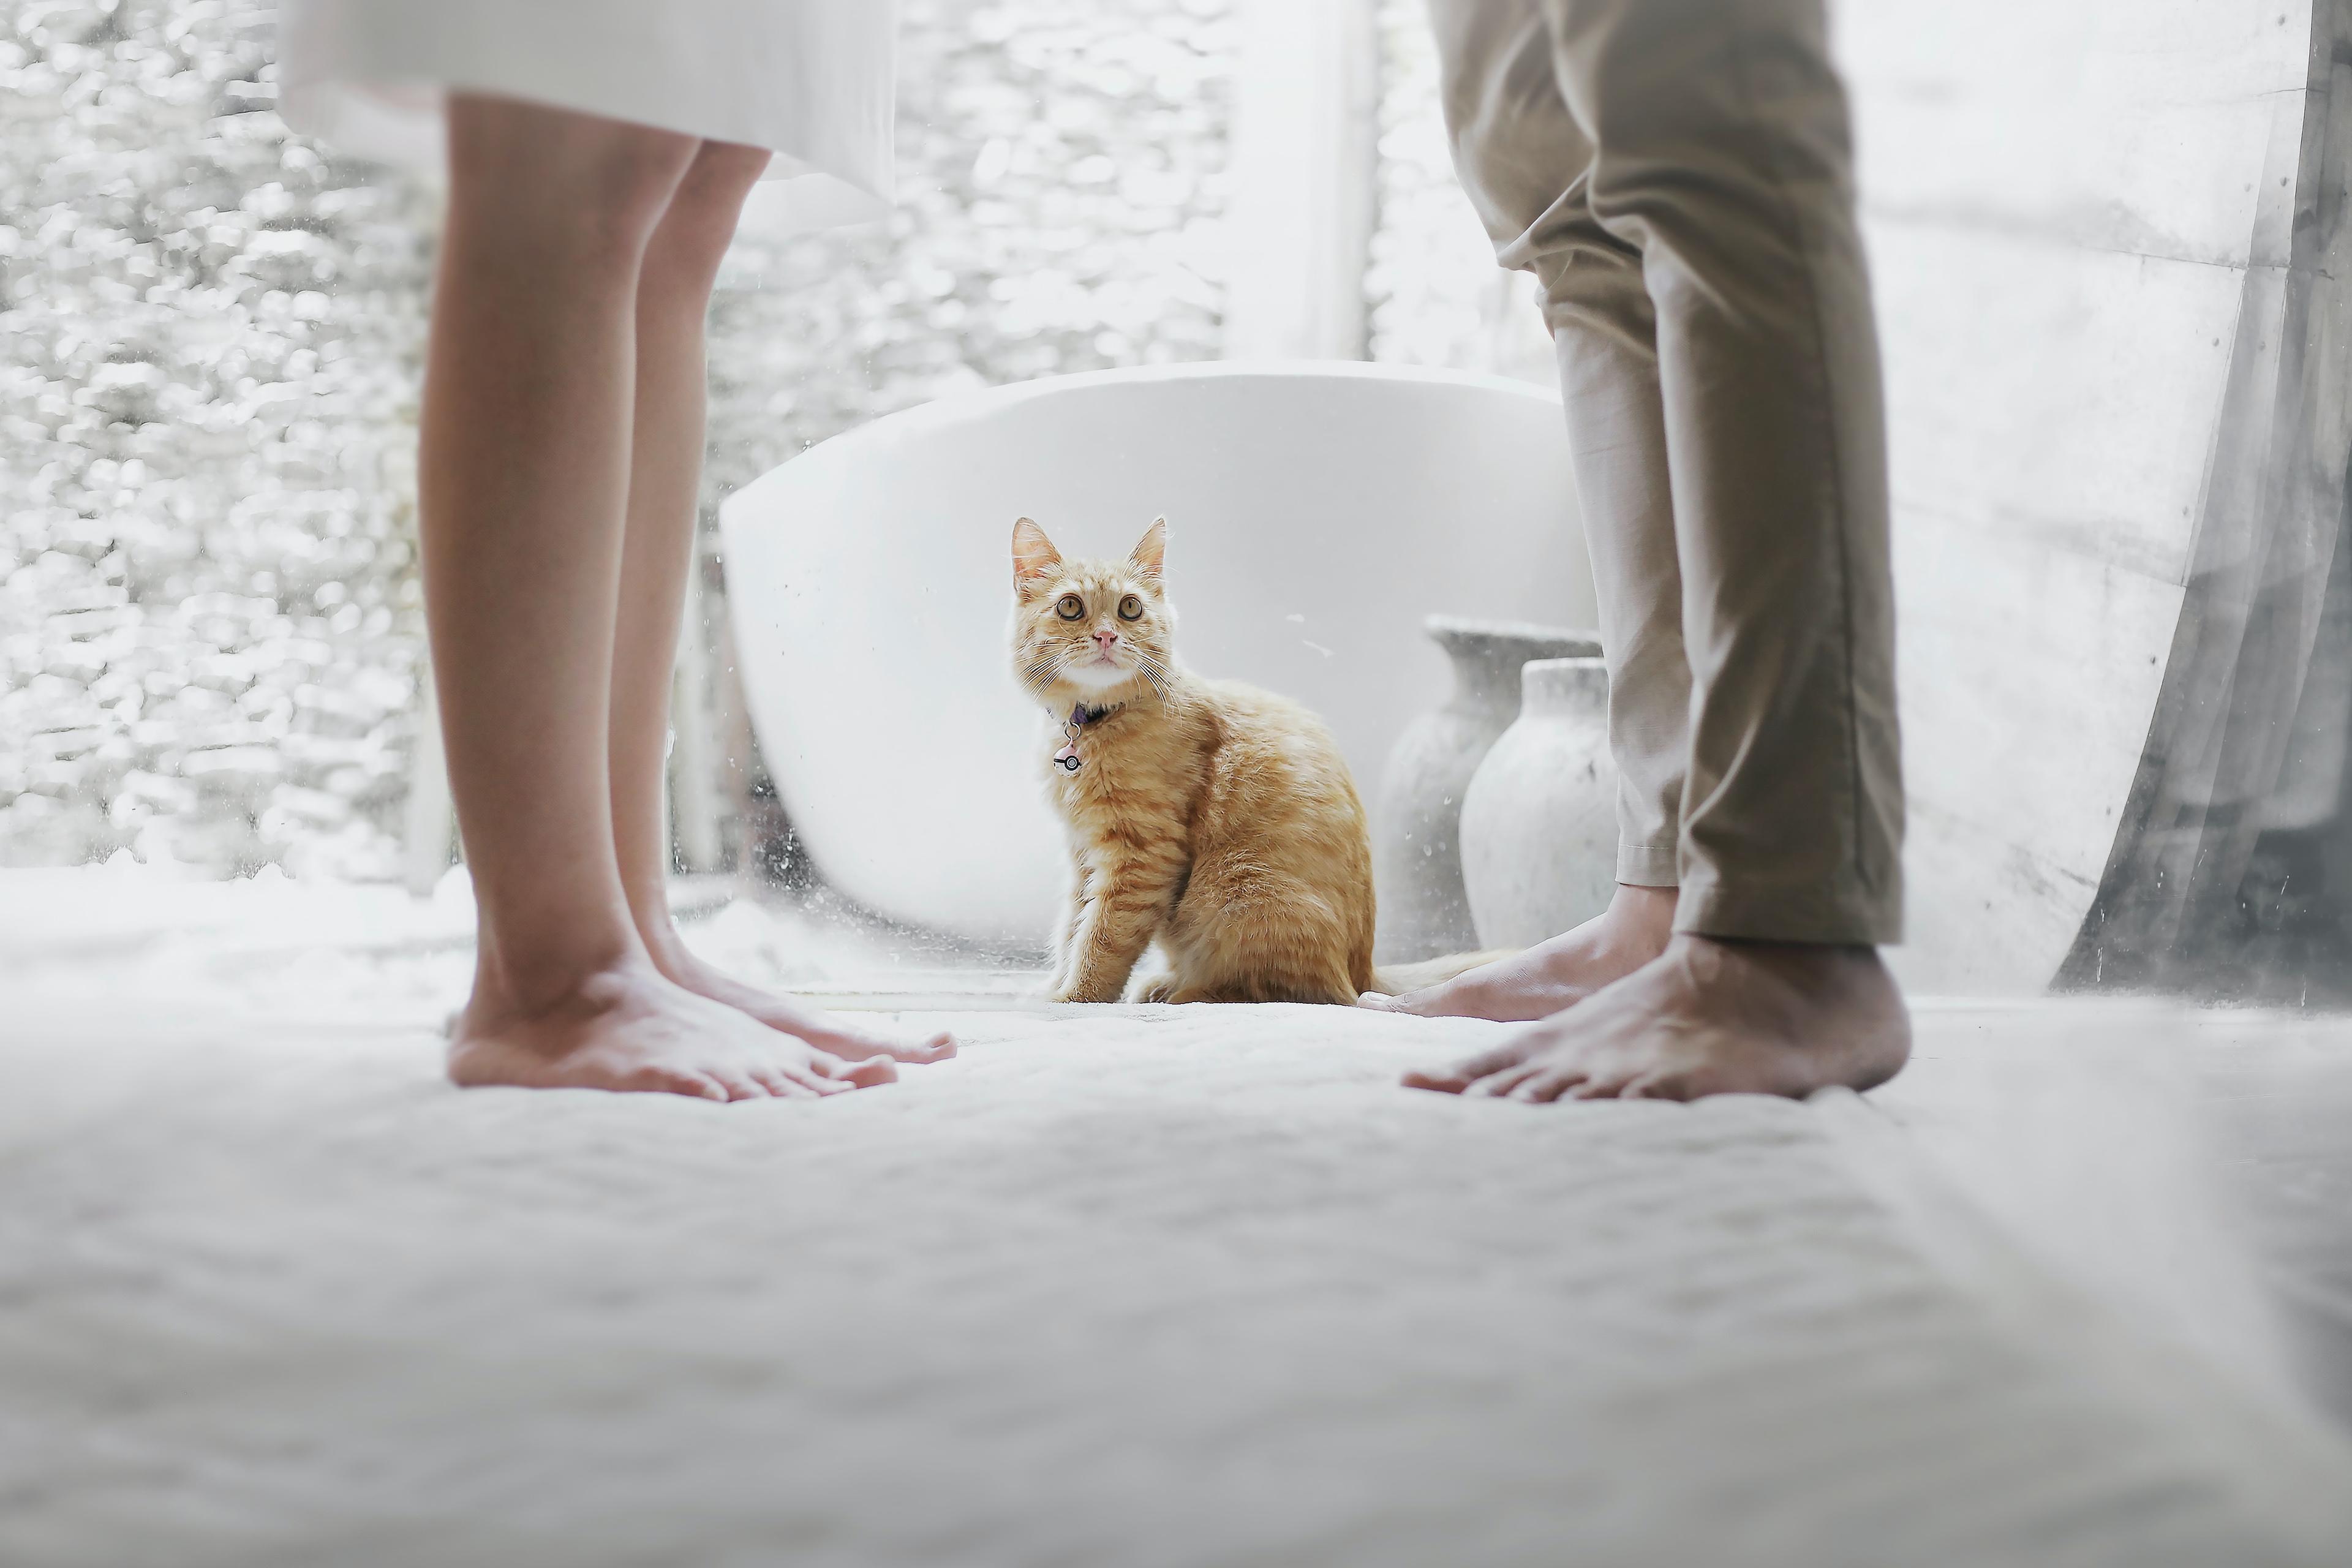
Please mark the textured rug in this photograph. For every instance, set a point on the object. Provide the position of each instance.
(1137, 1287)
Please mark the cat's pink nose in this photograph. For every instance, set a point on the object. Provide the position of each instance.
(1103, 637)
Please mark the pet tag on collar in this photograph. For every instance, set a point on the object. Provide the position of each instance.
(1068, 759)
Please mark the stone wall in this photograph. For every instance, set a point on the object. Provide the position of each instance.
(208, 614)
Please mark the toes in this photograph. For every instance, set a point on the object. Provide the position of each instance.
(1663, 1086)
(814, 1075)
(1444, 1080)
(872, 1070)
(856, 1044)
(781, 1082)
(1544, 1088)
(1607, 1086)
(1462, 1074)
(1429, 1002)
(740, 1083)
(675, 1081)
(863, 1073)
(808, 1086)
(1498, 1084)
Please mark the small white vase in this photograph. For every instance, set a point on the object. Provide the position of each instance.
(1424, 910)
(1539, 820)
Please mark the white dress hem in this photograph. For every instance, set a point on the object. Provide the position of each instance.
(813, 82)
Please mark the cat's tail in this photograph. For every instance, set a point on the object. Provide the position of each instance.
(1396, 979)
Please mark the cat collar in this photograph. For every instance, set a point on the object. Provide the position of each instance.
(1080, 717)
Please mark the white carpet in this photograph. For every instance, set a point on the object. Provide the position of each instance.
(1163, 1287)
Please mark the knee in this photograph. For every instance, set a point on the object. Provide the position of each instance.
(632, 185)
(699, 221)
(593, 189)
(1761, 125)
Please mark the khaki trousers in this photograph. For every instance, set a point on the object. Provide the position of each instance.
(1677, 173)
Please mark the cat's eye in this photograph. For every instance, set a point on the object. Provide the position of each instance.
(1071, 607)
(1131, 608)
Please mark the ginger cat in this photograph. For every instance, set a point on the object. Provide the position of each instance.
(1215, 818)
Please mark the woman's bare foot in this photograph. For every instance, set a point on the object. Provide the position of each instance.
(1559, 974)
(628, 1028)
(827, 1032)
(1708, 1017)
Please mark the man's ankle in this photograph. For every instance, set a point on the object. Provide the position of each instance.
(1640, 916)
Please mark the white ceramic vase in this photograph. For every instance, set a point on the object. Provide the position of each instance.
(1423, 910)
(1539, 820)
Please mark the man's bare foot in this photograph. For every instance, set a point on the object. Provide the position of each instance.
(1558, 974)
(629, 1028)
(1708, 1017)
(834, 1035)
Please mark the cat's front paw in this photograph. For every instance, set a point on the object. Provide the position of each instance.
(1074, 992)
(1158, 988)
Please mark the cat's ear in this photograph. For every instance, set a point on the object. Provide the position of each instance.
(1150, 552)
(1034, 557)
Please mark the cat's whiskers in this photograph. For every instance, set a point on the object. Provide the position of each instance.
(1040, 674)
(1153, 672)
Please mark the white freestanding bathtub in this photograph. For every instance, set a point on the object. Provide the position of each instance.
(1317, 513)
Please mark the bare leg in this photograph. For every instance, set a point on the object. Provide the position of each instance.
(681, 264)
(1556, 974)
(1708, 1017)
(524, 463)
